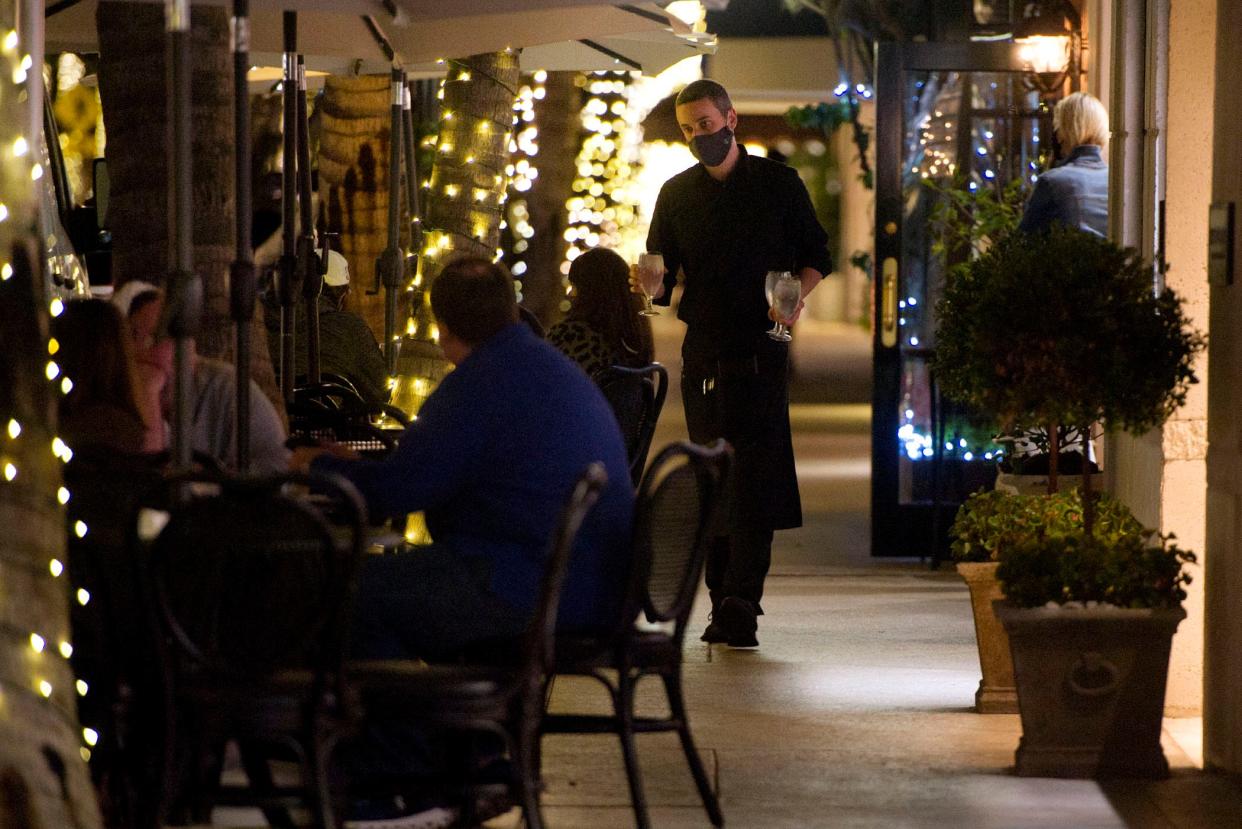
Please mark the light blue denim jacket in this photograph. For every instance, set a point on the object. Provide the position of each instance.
(1074, 193)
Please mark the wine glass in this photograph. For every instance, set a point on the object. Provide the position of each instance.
(784, 292)
(649, 264)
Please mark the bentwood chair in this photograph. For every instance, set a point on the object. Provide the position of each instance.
(636, 396)
(113, 657)
(251, 588)
(504, 700)
(676, 502)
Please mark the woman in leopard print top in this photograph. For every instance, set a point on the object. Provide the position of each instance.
(603, 327)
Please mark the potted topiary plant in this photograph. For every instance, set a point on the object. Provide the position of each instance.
(1063, 329)
(991, 521)
(967, 220)
(1088, 341)
(1090, 620)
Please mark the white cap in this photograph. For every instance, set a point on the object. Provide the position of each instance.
(124, 296)
(338, 270)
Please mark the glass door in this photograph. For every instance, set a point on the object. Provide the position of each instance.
(949, 116)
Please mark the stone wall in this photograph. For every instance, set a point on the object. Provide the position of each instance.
(1183, 492)
(1223, 577)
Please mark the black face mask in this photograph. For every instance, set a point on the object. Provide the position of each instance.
(712, 149)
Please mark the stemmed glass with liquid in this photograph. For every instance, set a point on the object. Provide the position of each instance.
(650, 265)
(784, 292)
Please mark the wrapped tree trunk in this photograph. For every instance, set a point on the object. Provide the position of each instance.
(353, 181)
(465, 201)
(44, 783)
(132, 89)
(559, 125)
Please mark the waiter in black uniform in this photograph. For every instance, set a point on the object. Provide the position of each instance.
(724, 223)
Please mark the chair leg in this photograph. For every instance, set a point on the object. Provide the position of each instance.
(208, 765)
(318, 789)
(624, 702)
(677, 706)
(527, 770)
(259, 777)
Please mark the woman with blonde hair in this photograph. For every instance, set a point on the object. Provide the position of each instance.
(1075, 192)
(603, 327)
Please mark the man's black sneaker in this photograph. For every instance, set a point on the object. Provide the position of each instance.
(714, 634)
(739, 620)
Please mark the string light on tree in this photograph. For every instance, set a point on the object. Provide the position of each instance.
(521, 172)
(22, 445)
(599, 206)
(465, 195)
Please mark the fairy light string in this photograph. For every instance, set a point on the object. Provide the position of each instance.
(465, 194)
(521, 173)
(599, 205)
(46, 645)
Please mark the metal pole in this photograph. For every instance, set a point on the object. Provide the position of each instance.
(183, 296)
(391, 262)
(411, 171)
(310, 268)
(241, 272)
(289, 259)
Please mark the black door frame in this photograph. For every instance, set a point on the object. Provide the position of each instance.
(905, 529)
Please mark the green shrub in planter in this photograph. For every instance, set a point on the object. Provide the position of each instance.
(1090, 622)
(1121, 568)
(993, 521)
(1063, 329)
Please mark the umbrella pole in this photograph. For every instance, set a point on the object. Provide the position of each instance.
(183, 292)
(411, 173)
(310, 267)
(411, 177)
(289, 259)
(390, 264)
(241, 272)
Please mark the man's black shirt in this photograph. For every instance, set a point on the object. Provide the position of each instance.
(726, 236)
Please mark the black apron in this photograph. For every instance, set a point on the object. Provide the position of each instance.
(745, 400)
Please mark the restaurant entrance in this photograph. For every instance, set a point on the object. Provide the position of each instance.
(950, 116)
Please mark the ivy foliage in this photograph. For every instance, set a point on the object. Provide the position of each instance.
(1063, 327)
(826, 118)
(991, 521)
(1135, 571)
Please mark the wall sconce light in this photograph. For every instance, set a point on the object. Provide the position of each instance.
(1050, 39)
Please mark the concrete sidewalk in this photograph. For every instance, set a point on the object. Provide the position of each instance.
(856, 709)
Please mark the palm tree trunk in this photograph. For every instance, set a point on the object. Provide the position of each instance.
(465, 202)
(558, 118)
(131, 87)
(353, 180)
(44, 783)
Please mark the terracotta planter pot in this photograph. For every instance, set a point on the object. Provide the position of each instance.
(1090, 689)
(996, 694)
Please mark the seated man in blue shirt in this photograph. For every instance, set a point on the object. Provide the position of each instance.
(491, 460)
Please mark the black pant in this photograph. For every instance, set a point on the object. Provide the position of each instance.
(737, 564)
(744, 399)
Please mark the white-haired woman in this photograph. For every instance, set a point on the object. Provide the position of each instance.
(1075, 192)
